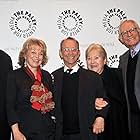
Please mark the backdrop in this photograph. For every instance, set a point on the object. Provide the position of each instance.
(53, 20)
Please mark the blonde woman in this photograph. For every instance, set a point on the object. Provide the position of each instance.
(116, 127)
(29, 96)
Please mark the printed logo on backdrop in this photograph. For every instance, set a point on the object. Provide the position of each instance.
(70, 23)
(113, 61)
(22, 23)
(112, 19)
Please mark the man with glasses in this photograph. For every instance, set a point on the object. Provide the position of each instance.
(129, 35)
(75, 91)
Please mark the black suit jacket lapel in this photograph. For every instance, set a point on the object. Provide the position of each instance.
(60, 82)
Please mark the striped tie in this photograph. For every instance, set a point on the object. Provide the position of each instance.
(133, 53)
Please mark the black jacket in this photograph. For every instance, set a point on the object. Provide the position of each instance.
(90, 87)
(116, 127)
(31, 122)
(6, 66)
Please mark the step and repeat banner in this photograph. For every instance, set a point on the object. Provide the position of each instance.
(53, 20)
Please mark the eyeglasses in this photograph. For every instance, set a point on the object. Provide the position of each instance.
(132, 30)
(70, 49)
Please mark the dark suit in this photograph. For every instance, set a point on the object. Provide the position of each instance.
(6, 66)
(32, 123)
(134, 118)
(90, 87)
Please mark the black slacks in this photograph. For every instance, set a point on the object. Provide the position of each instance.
(71, 137)
(5, 131)
(135, 126)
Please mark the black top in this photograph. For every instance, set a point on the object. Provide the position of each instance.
(131, 69)
(116, 125)
(70, 103)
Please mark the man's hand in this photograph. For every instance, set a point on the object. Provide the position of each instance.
(100, 103)
(98, 125)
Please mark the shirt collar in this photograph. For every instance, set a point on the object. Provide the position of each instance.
(74, 69)
(136, 48)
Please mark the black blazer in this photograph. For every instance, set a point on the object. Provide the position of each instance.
(19, 110)
(90, 87)
(6, 66)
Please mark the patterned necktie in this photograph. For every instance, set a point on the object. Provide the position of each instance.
(133, 53)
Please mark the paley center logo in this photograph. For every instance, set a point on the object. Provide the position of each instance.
(113, 61)
(112, 19)
(70, 22)
(22, 23)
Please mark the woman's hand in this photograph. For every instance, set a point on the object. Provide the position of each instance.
(16, 133)
(100, 103)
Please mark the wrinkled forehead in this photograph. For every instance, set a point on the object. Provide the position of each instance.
(127, 25)
(69, 43)
(95, 52)
(35, 46)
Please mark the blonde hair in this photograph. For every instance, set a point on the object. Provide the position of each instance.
(95, 46)
(29, 42)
